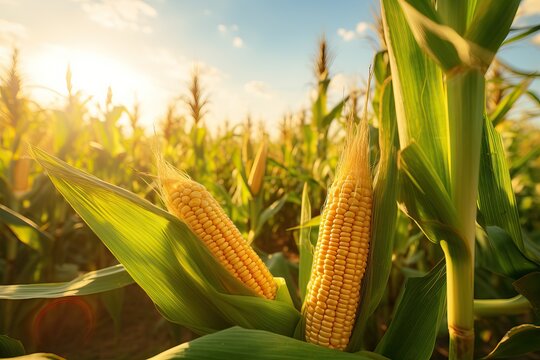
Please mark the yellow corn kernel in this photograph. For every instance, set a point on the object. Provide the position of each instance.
(193, 204)
(341, 253)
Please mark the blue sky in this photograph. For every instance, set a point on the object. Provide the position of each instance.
(256, 56)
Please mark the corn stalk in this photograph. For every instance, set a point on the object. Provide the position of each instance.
(440, 104)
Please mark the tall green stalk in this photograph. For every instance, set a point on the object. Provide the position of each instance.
(461, 38)
(465, 94)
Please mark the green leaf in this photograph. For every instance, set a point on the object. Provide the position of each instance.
(420, 95)
(38, 356)
(491, 23)
(517, 305)
(520, 340)
(433, 36)
(175, 269)
(10, 347)
(25, 229)
(523, 33)
(92, 282)
(506, 104)
(279, 266)
(385, 207)
(313, 222)
(426, 200)
(496, 199)
(529, 286)
(237, 343)
(113, 301)
(441, 42)
(269, 212)
(523, 161)
(413, 330)
(243, 179)
(380, 66)
(335, 113)
(305, 248)
(384, 218)
(495, 251)
(318, 109)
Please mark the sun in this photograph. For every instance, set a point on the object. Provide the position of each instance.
(92, 73)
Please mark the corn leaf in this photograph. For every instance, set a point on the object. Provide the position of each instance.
(171, 265)
(424, 198)
(25, 230)
(516, 305)
(520, 340)
(38, 356)
(269, 212)
(313, 222)
(523, 33)
(491, 23)
(523, 161)
(384, 218)
(529, 286)
(506, 104)
(335, 113)
(281, 267)
(384, 202)
(380, 67)
(496, 199)
(441, 42)
(92, 282)
(113, 301)
(413, 330)
(237, 343)
(10, 347)
(305, 248)
(420, 95)
(495, 251)
(318, 108)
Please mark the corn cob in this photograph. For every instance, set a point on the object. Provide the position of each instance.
(341, 253)
(193, 204)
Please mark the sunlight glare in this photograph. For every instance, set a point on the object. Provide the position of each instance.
(92, 73)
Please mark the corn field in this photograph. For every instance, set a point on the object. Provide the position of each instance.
(400, 222)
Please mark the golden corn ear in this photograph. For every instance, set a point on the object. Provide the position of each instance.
(341, 253)
(193, 204)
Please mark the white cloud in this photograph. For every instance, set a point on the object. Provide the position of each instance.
(238, 42)
(526, 11)
(178, 67)
(222, 28)
(529, 8)
(120, 14)
(361, 27)
(346, 35)
(536, 39)
(339, 84)
(258, 88)
(227, 28)
(11, 32)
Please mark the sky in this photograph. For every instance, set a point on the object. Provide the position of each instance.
(255, 56)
